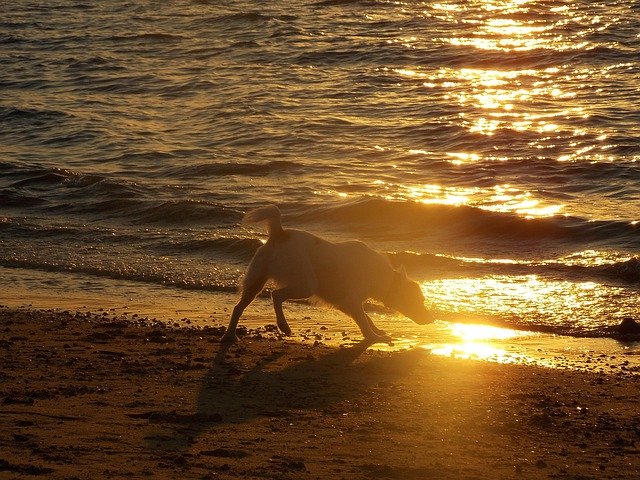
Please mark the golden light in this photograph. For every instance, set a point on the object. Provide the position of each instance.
(474, 333)
(510, 200)
(436, 194)
(506, 102)
(480, 342)
(594, 258)
(526, 296)
(447, 7)
(461, 157)
(517, 33)
(502, 99)
(500, 198)
(407, 72)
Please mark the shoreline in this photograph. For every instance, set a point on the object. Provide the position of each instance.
(45, 290)
(86, 394)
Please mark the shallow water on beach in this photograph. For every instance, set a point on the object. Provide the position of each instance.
(492, 147)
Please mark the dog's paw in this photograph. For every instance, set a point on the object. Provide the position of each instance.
(286, 332)
(285, 329)
(371, 339)
(386, 339)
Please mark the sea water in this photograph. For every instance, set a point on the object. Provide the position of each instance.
(491, 147)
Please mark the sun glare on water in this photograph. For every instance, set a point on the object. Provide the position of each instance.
(479, 342)
(504, 99)
(509, 100)
(507, 97)
(502, 198)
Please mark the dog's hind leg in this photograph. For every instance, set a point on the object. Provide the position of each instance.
(249, 293)
(252, 285)
(288, 293)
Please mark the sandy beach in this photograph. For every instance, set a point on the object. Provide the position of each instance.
(103, 396)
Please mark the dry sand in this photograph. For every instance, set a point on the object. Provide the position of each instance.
(95, 396)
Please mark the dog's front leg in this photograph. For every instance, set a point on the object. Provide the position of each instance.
(376, 330)
(369, 330)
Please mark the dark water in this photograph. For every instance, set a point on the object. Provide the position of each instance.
(492, 147)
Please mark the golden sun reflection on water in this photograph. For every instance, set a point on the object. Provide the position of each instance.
(500, 198)
(504, 26)
(518, 99)
(479, 342)
(527, 298)
(507, 99)
(508, 103)
(473, 332)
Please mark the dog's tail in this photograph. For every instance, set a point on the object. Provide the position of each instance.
(269, 214)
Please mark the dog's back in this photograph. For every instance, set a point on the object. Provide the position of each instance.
(338, 271)
(349, 272)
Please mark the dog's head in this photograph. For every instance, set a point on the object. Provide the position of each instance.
(406, 297)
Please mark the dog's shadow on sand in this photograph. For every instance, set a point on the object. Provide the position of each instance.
(285, 383)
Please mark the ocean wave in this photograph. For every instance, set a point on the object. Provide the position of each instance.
(174, 90)
(146, 157)
(62, 191)
(47, 178)
(237, 248)
(57, 190)
(139, 212)
(19, 229)
(147, 37)
(167, 279)
(187, 212)
(628, 270)
(12, 199)
(97, 63)
(120, 84)
(451, 56)
(416, 219)
(8, 39)
(244, 16)
(14, 115)
(432, 266)
(204, 170)
(37, 177)
(353, 55)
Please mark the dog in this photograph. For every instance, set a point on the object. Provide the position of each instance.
(342, 274)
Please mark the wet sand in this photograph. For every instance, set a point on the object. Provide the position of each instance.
(103, 396)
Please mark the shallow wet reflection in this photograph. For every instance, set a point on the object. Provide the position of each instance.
(479, 342)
